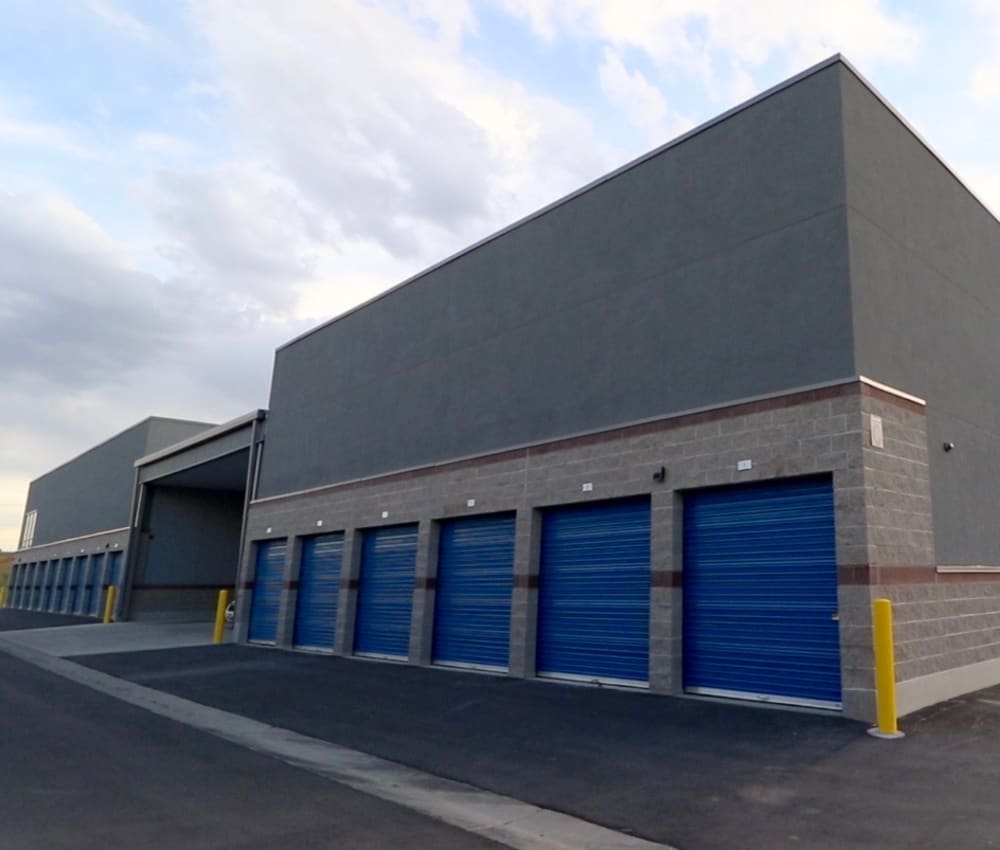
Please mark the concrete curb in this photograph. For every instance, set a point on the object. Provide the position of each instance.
(502, 819)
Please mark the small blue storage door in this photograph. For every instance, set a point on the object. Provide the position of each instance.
(114, 575)
(475, 576)
(319, 589)
(96, 585)
(69, 565)
(14, 594)
(75, 577)
(593, 592)
(760, 592)
(85, 582)
(37, 578)
(41, 582)
(385, 591)
(265, 603)
(61, 568)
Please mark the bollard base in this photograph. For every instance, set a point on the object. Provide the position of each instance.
(875, 732)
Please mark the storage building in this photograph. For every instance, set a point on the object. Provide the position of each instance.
(675, 431)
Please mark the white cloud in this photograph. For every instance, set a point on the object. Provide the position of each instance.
(643, 102)
(722, 43)
(984, 85)
(387, 130)
(36, 134)
(163, 145)
(119, 20)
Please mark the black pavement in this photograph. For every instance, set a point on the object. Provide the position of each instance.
(695, 774)
(84, 771)
(12, 620)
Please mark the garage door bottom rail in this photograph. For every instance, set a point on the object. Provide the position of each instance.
(381, 656)
(583, 679)
(494, 669)
(774, 699)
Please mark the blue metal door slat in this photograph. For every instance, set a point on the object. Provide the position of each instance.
(385, 591)
(39, 591)
(760, 591)
(319, 587)
(74, 587)
(265, 603)
(475, 578)
(593, 596)
(96, 585)
(115, 570)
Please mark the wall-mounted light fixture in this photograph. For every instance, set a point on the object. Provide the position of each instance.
(948, 446)
(660, 474)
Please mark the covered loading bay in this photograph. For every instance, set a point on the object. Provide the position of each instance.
(190, 506)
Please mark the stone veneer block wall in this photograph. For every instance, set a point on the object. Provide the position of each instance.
(947, 625)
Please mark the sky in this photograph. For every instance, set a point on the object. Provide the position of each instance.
(184, 186)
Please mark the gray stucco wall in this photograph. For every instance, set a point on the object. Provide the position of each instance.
(714, 271)
(924, 263)
(93, 492)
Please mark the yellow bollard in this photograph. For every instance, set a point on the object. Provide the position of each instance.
(220, 616)
(109, 603)
(885, 671)
(3, 597)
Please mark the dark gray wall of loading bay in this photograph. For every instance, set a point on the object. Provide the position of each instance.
(713, 271)
(925, 269)
(93, 492)
(193, 537)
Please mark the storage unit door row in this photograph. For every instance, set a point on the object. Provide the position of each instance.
(593, 603)
(65, 585)
(759, 592)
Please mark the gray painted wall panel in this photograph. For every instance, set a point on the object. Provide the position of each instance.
(93, 492)
(713, 271)
(924, 261)
(195, 537)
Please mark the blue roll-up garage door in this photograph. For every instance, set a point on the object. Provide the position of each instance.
(760, 592)
(37, 587)
(319, 586)
(267, 584)
(96, 586)
(75, 578)
(593, 595)
(17, 583)
(475, 575)
(385, 591)
(115, 570)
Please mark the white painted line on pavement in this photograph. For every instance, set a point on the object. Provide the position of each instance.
(502, 819)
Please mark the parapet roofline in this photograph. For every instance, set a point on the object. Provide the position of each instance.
(837, 58)
(115, 436)
(204, 437)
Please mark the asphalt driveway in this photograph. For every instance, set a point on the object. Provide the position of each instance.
(698, 775)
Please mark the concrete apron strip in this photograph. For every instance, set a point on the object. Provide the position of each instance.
(502, 819)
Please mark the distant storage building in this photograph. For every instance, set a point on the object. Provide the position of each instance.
(674, 432)
(77, 521)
